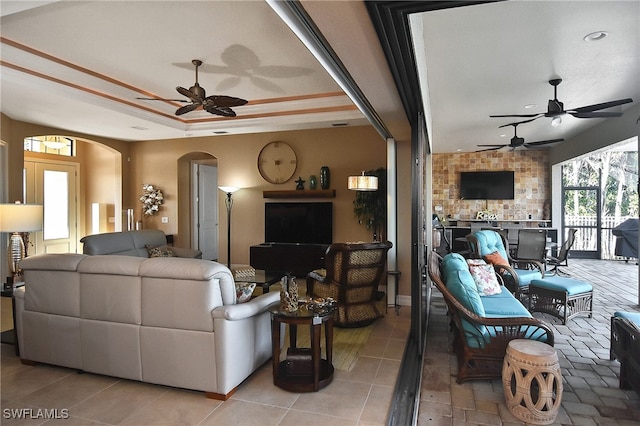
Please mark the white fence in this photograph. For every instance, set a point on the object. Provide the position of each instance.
(586, 237)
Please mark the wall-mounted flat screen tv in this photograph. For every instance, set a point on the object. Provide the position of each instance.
(498, 185)
(304, 223)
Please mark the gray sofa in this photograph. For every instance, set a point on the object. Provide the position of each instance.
(132, 243)
(170, 321)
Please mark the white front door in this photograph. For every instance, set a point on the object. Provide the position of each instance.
(54, 185)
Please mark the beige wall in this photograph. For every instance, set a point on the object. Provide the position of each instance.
(532, 183)
(346, 151)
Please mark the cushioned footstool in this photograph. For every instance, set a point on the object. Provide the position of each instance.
(561, 297)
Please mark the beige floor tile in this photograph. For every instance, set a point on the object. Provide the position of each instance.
(118, 402)
(243, 413)
(388, 373)
(365, 370)
(297, 418)
(27, 380)
(174, 407)
(375, 347)
(340, 399)
(376, 409)
(259, 388)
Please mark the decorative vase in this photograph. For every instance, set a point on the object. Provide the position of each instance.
(313, 182)
(324, 177)
(288, 294)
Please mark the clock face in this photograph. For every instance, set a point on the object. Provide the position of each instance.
(277, 162)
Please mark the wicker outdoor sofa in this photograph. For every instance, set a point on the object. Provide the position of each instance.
(482, 333)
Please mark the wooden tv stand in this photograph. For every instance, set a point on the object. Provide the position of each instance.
(297, 259)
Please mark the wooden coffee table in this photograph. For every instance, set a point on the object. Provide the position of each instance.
(304, 370)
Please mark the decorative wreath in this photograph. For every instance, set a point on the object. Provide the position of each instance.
(151, 199)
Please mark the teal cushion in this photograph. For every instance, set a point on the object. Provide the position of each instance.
(531, 333)
(503, 305)
(634, 317)
(526, 276)
(562, 284)
(490, 242)
(460, 283)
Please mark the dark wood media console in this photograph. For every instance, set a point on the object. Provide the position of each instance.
(297, 259)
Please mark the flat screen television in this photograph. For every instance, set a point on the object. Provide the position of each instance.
(496, 185)
(298, 222)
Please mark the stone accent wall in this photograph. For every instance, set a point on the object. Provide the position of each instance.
(532, 184)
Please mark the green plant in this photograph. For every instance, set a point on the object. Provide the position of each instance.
(370, 207)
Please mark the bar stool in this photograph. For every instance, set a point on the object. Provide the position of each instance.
(532, 381)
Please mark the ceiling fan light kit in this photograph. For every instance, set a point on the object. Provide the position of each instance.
(215, 104)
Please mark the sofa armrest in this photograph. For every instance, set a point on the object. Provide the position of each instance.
(186, 252)
(248, 309)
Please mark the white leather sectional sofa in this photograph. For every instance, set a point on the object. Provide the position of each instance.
(170, 321)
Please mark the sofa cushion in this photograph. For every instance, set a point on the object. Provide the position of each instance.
(504, 304)
(159, 251)
(244, 291)
(495, 258)
(631, 316)
(485, 278)
(460, 283)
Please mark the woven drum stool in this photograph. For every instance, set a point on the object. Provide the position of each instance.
(532, 381)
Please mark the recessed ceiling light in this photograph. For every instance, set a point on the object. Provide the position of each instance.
(459, 150)
(504, 135)
(529, 106)
(139, 128)
(596, 36)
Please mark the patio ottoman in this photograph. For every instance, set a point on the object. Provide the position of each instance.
(561, 297)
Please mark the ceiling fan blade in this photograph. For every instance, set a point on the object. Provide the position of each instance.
(596, 114)
(162, 99)
(187, 108)
(597, 107)
(519, 122)
(491, 149)
(220, 110)
(540, 143)
(189, 94)
(515, 115)
(224, 101)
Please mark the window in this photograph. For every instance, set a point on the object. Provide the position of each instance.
(57, 145)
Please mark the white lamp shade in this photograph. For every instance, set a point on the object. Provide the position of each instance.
(21, 217)
(228, 189)
(363, 183)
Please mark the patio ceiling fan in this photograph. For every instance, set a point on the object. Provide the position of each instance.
(215, 104)
(517, 142)
(555, 108)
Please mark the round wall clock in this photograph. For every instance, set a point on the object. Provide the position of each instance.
(277, 162)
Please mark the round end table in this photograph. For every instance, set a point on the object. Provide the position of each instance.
(532, 381)
(304, 370)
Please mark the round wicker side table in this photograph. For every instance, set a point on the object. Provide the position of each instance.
(532, 381)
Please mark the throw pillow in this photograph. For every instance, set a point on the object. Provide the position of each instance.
(496, 258)
(485, 278)
(244, 291)
(471, 262)
(159, 251)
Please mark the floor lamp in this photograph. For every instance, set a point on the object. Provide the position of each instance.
(229, 203)
(18, 220)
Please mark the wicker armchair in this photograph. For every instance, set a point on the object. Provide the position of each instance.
(480, 343)
(351, 276)
(518, 273)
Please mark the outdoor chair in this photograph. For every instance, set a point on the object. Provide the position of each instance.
(351, 277)
(563, 255)
(516, 273)
(532, 245)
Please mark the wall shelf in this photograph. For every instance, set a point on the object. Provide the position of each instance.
(300, 193)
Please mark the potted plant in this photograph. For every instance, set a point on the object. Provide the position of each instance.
(370, 207)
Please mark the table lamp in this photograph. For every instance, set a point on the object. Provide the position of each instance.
(18, 220)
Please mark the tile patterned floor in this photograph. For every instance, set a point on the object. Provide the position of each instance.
(591, 395)
(361, 396)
